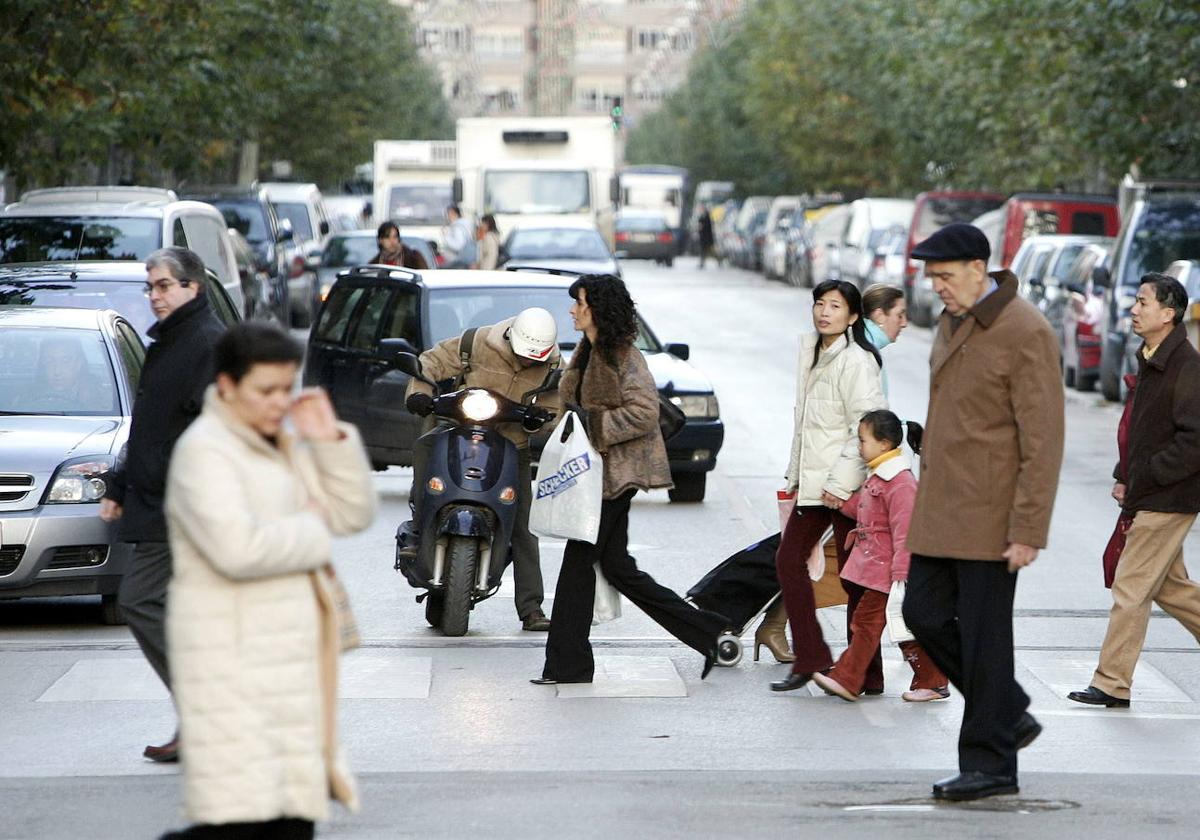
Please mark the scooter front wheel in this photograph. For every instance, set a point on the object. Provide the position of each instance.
(462, 556)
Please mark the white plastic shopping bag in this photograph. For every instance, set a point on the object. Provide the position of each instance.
(607, 605)
(787, 506)
(897, 630)
(570, 485)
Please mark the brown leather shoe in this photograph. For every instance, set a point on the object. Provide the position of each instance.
(167, 753)
(536, 622)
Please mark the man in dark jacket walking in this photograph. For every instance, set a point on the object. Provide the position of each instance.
(704, 224)
(176, 372)
(989, 471)
(1161, 490)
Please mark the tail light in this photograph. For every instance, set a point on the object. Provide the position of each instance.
(622, 236)
(665, 237)
(439, 259)
(297, 266)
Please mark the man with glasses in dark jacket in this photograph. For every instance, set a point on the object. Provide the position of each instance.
(176, 372)
(1161, 489)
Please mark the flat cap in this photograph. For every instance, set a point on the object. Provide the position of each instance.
(958, 241)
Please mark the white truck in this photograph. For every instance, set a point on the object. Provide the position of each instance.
(413, 181)
(660, 189)
(530, 171)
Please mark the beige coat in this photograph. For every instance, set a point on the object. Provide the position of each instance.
(494, 366)
(993, 440)
(253, 653)
(622, 408)
(831, 398)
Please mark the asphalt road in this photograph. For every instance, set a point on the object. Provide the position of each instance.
(452, 741)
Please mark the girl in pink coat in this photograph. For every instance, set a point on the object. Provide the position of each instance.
(882, 508)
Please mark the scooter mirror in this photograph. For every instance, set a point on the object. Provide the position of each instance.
(408, 363)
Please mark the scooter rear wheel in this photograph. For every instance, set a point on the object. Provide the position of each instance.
(462, 555)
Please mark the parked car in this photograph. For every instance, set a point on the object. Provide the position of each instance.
(359, 247)
(750, 231)
(1083, 314)
(1030, 214)
(870, 220)
(303, 208)
(829, 232)
(347, 212)
(257, 290)
(931, 211)
(370, 303)
(641, 235)
(1187, 272)
(887, 264)
(116, 223)
(277, 252)
(1161, 225)
(798, 245)
(573, 246)
(724, 218)
(113, 284)
(67, 383)
(1042, 284)
(771, 250)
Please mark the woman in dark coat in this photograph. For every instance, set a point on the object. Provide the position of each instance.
(392, 250)
(609, 381)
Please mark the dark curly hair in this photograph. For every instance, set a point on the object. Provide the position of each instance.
(612, 310)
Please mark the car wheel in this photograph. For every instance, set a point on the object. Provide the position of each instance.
(669, 262)
(110, 610)
(689, 487)
(1085, 381)
(1069, 376)
(1110, 376)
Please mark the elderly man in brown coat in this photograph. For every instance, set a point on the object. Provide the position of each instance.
(991, 457)
(513, 358)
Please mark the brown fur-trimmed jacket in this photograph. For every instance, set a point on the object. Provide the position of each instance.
(622, 413)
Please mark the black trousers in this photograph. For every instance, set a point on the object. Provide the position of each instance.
(961, 613)
(526, 554)
(286, 828)
(568, 651)
(143, 599)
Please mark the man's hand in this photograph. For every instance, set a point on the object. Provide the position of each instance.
(831, 501)
(1019, 556)
(419, 403)
(313, 415)
(110, 511)
(1118, 493)
(535, 418)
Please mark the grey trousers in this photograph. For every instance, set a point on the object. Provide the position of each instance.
(526, 556)
(143, 600)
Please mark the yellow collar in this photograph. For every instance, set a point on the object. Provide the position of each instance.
(884, 458)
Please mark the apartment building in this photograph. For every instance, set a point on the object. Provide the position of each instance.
(562, 56)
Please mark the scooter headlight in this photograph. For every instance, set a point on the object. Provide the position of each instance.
(479, 406)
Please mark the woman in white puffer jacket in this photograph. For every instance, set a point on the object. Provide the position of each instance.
(838, 381)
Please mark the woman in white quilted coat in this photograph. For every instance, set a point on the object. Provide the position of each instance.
(253, 624)
(837, 382)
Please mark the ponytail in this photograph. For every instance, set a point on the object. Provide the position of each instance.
(886, 426)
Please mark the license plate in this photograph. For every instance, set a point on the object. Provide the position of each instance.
(643, 237)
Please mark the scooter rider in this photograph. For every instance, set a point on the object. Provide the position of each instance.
(512, 358)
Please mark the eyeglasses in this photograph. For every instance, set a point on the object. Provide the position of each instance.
(160, 286)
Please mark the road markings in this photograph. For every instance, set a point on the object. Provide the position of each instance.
(629, 676)
(368, 675)
(106, 679)
(1064, 674)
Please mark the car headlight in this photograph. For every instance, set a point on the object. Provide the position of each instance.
(80, 481)
(479, 406)
(698, 405)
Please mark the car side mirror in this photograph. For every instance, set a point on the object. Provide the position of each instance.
(551, 383)
(680, 351)
(324, 227)
(1100, 277)
(401, 353)
(286, 233)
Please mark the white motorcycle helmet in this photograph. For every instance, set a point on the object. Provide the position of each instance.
(533, 334)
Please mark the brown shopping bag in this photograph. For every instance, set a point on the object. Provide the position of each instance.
(827, 587)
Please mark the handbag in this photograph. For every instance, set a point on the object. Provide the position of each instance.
(569, 486)
(607, 604)
(897, 630)
(671, 418)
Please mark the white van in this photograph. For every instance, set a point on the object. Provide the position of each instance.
(870, 221)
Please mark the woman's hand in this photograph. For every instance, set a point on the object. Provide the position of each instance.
(830, 501)
(313, 416)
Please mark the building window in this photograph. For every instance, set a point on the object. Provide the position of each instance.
(444, 38)
(500, 43)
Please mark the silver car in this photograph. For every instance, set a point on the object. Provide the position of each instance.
(67, 382)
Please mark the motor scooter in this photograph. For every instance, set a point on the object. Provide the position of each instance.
(471, 488)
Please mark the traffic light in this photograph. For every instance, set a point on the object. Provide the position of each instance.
(616, 113)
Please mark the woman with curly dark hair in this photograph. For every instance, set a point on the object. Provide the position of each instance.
(608, 380)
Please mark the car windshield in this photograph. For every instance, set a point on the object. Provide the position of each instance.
(453, 310)
(536, 192)
(297, 214)
(641, 224)
(1169, 230)
(246, 217)
(54, 238)
(419, 204)
(1064, 261)
(557, 244)
(126, 297)
(938, 212)
(56, 371)
(349, 250)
